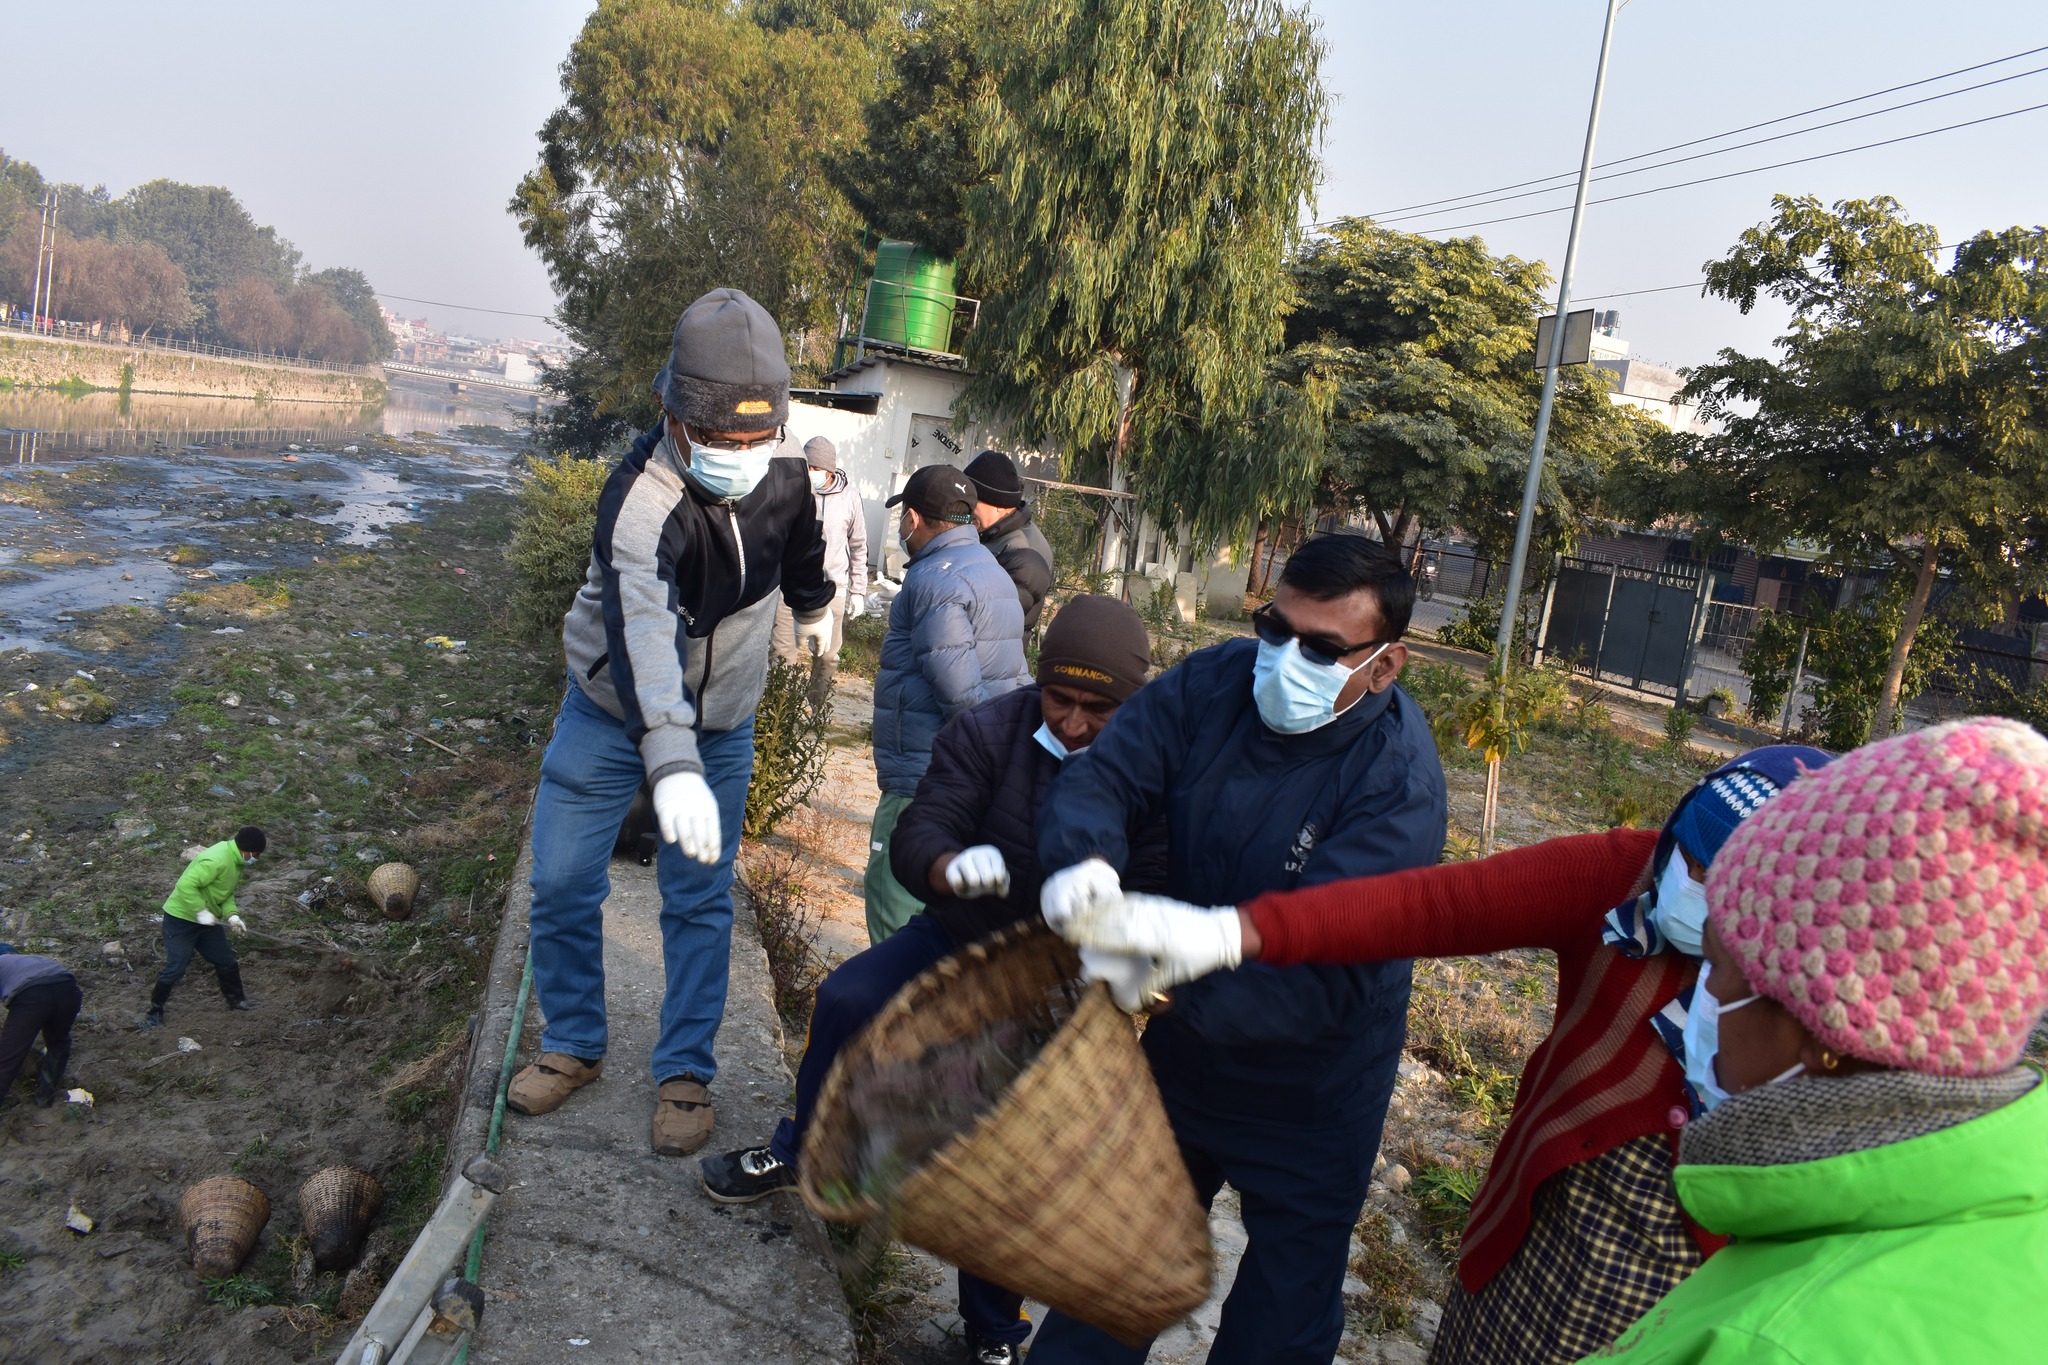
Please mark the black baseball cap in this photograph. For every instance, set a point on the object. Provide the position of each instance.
(940, 492)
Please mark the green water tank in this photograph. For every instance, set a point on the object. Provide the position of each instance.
(912, 300)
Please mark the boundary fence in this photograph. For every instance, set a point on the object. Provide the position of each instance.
(80, 333)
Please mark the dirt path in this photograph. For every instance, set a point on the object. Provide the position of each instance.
(275, 670)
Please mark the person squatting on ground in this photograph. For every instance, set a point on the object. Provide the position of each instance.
(42, 997)
(969, 840)
(699, 529)
(1576, 1230)
(1290, 761)
(1876, 960)
(955, 639)
(1009, 531)
(844, 522)
(200, 903)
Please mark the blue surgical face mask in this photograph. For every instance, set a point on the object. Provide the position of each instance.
(1703, 1041)
(1680, 911)
(1050, 742)
(248, 859)
(730, 473)
(1295, 696)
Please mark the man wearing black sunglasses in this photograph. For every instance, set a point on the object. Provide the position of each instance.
(1288, 761)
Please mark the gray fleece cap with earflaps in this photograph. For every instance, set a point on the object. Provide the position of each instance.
(726, 369)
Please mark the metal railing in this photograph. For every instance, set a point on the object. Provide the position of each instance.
(81, 333)
(965, 312)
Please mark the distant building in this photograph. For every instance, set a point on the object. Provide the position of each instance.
(1648, 388)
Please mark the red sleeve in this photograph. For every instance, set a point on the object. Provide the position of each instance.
(1535, 897)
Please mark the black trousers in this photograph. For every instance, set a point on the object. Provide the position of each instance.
(48, 1008)
(182, 937)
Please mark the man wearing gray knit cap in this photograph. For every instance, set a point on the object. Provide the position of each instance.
(701, 530)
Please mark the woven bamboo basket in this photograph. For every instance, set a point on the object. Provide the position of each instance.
(1071, 1190)
(222, 1215)
(393, 887)
(337, 1206)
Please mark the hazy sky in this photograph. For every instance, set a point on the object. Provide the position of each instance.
(390, 137)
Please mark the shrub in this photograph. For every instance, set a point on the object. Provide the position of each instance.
(1768, 662)
(1850, 649)
(775, 887)
(789, 748)
(1476, 629)
(550, 549)
(860, 650)
(1677, 727)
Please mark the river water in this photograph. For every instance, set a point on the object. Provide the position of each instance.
(98, 496)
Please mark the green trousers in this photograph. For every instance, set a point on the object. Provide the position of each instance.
(890, 904)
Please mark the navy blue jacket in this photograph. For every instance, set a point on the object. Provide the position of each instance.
(1250, 811)
(956, 639)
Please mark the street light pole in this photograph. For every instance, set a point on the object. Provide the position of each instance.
(1511, 606)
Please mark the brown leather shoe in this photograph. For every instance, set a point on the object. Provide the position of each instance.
(543, 1086)
(682, 1117)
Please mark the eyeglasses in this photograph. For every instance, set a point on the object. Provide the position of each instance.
(769, 442)
(1275, 630)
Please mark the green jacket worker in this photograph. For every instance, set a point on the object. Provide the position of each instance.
(202, 900)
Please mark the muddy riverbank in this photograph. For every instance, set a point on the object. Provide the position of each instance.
(271, 639)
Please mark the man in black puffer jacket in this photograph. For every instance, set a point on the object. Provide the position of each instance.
(968, 844)
(1009, 531)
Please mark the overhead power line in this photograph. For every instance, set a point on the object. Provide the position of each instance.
(1695, 284)
(1713, 137)
(1753, 170)
(464, 307)
(1733, 147)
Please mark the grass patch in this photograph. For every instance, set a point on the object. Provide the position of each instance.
(1393, 1276)
(239, 1291)
(1443, 1193)
(860, 649)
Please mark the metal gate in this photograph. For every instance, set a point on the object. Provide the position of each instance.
(1622, 623)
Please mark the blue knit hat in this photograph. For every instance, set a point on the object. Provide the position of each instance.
(1709, 813)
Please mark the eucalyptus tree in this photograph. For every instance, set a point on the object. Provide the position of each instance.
(1144, 165)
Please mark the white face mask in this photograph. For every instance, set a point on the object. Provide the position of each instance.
(1050, 742)
(819, 478)
(1680, 912)
(1703, 1042)
(730, 473)
(1295, 696)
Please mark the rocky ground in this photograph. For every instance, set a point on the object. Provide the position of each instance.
(189, 642)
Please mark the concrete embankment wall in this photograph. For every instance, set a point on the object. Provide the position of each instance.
(46, 362)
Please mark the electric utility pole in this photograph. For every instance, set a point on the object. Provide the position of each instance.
(35, 306)
(1504, 642)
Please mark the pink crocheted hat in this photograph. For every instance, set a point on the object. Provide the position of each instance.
(1896, 901)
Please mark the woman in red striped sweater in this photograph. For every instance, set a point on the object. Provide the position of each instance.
(1576, 1230)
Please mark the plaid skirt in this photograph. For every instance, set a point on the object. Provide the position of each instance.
(1606, 1240)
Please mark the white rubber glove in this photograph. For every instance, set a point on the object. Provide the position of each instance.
(687, 814)
(978, 871)
(1182, 941)
(856, 606)
(205, 917)
(815, 638)
(235, 923)
(1069, 889)
(1129, 977)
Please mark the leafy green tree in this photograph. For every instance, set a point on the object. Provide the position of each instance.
(1146, 166)
(205, 229)
(1427, 348)
(351, 291)
(1904, 421)
(690, 152)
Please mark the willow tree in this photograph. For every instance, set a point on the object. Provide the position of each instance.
(690, 152)
(1146, 164)
(1903, 423)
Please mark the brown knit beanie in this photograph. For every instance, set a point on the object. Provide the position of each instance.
(1098, 644)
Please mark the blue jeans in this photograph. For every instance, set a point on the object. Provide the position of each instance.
(587, 782)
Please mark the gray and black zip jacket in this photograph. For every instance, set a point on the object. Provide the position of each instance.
(671, 629)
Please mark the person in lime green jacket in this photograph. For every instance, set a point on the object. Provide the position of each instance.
(202, 900)
(1877, 958)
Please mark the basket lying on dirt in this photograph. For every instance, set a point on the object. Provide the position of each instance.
(1003, 1117)
(222, 1216)
(337, 1206)
(393, 887)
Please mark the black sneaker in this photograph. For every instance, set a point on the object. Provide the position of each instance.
(744, 1176)
(981, 1351)
(153, 1020)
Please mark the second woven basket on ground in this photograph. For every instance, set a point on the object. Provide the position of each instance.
(1003, 1117)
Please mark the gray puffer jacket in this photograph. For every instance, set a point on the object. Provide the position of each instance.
(956, 639)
